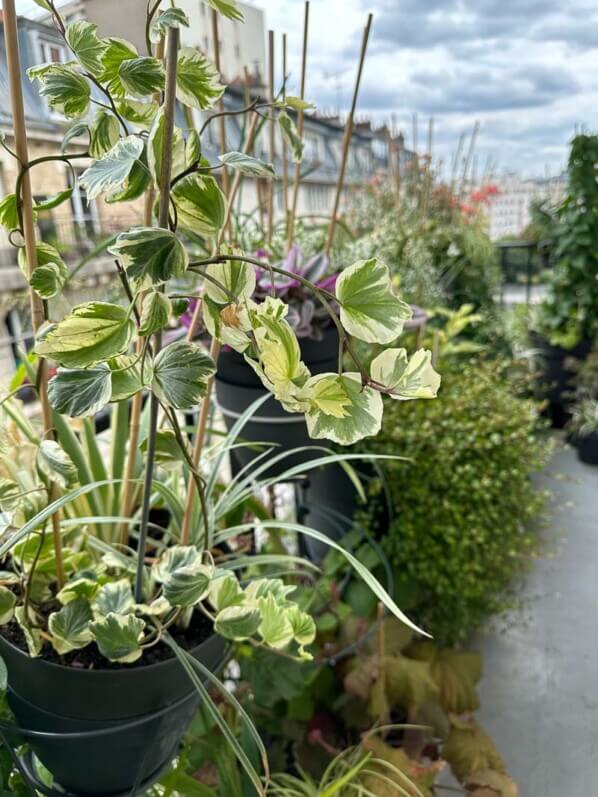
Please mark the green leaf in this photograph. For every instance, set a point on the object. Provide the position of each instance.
(47, 280)
(155, 147)
(298, 104)
(56, 464)
(54, 201)
(173, 559)
(118, 637)
(413, 378)
(327, 394)
(142, 113)
(253, 167)
(167, 449)
(186, 586)
(79, 588)
(67, 91)
(32, 635)
(8, 212)
(200, 204)
(126, 376)
(117, 51)
(150, 254)
(10, 495)
(114, 597)
(43, 4)
(103, 133)
(76, 130)
(197, 80)
(225, 591)
(92, 333)
(82, 38)
(275, 627)
(291, 136)
(236, 277)
(141, 77)
(369, 309)
(363, 415)
(70, 626)
(228, 8)
(192, 148)
(181, 372)
(169, 18)
(113, 169)
(237, 622)
(304, 627)
(155, 313)
(8, 601)
(135, 185)
(79, 392)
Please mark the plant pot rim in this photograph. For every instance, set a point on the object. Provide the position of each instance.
(100, 670)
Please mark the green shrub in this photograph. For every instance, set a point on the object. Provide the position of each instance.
(464, 510)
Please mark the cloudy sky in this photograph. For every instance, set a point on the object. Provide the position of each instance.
(526, 69)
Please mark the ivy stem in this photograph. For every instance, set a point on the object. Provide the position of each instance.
(25, 202)
(172, 45)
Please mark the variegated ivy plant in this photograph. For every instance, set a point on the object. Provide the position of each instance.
(111, 352)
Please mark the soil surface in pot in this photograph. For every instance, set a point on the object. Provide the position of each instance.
(90, 658)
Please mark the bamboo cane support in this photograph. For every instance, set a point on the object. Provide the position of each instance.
(221, 119)
(37, 306)
(271, 134)
(347, 138)
(300, 117)
(285, 175)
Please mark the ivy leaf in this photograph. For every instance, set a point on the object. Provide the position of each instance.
(150, 254)
(369, 309)
(10, 495)
(142, 113)
(304, 627)
(225, 591)
(79, 392)
(47, 280)
(55, 463)
(363, 415)
(78, 129)
(54, 201)
(46, 255)
(155, 147)
(327, 394)
(169, 18)
(291, 136)
(136, 183)
(228, 8)
(8, 601)
(297, 104)
(167, 450)
(8, 212)
(174, 558)
(186, 586)
(181, 372)
(83, 40)
(200, 204)
(32, 635)
(192, 148)
(156, 309)
(246, 164)
(141, 77)
(67, 91)
(413, 378)
(79, 588)
(117, 51)
(237, 278)
(275, 627)
(237, 622)
(113, 168)
(114, 597)
(103, 133)
(126, 376)
(197, 80)
(92, 333)
(118, 637)
(70, 626)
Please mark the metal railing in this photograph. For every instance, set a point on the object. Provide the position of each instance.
(524, 263)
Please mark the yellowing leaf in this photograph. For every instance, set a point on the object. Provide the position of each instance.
(362, 418)
(413, 378)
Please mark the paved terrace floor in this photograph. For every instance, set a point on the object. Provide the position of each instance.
(539, 693)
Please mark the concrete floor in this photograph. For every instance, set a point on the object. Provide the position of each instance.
(539, 693)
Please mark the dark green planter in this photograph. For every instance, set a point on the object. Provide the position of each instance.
(104, 732)
(555, 378)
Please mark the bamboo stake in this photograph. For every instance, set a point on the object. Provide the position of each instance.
(285, 176)
(202, 421)
(38, 315)
(469, 156)
(456, 160)
(220, 108)
(347, 137)
(300, 118)
(272, 134)
(172, 46)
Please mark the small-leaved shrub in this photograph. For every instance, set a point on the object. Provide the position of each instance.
(464, 513)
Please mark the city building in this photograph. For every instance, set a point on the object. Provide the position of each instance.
(509, 210)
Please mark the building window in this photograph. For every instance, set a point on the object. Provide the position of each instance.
(312, 147)
(53, 53)
(317, 198)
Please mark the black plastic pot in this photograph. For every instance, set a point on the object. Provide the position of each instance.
(238, 386)
(104, 732)
(555, 380)
(587, 448)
